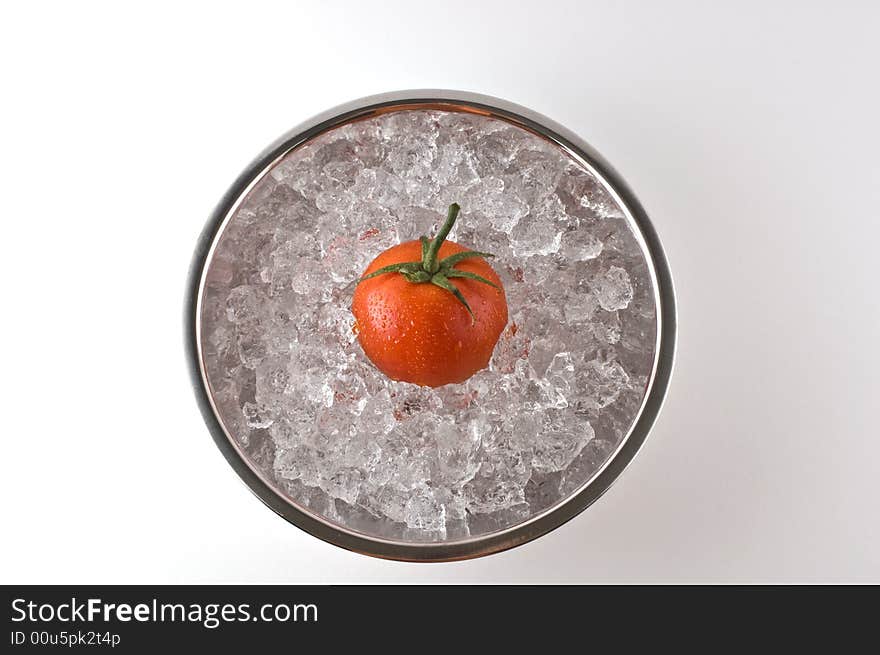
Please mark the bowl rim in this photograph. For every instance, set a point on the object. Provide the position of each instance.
(546, 520)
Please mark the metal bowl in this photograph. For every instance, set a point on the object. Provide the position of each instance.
(542, 522)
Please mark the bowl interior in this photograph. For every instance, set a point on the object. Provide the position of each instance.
(340, 442)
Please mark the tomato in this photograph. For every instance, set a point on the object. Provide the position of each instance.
(430, 311)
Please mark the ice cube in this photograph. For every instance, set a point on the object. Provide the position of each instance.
(613, 289)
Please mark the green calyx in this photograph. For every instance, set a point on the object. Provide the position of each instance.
(438, 273)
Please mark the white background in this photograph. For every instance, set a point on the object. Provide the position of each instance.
(750, 133)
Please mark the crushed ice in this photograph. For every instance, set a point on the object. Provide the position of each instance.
(391, 459)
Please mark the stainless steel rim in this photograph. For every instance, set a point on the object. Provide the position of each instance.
(546, 520)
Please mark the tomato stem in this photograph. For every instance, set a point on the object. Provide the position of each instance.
(429, 258)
